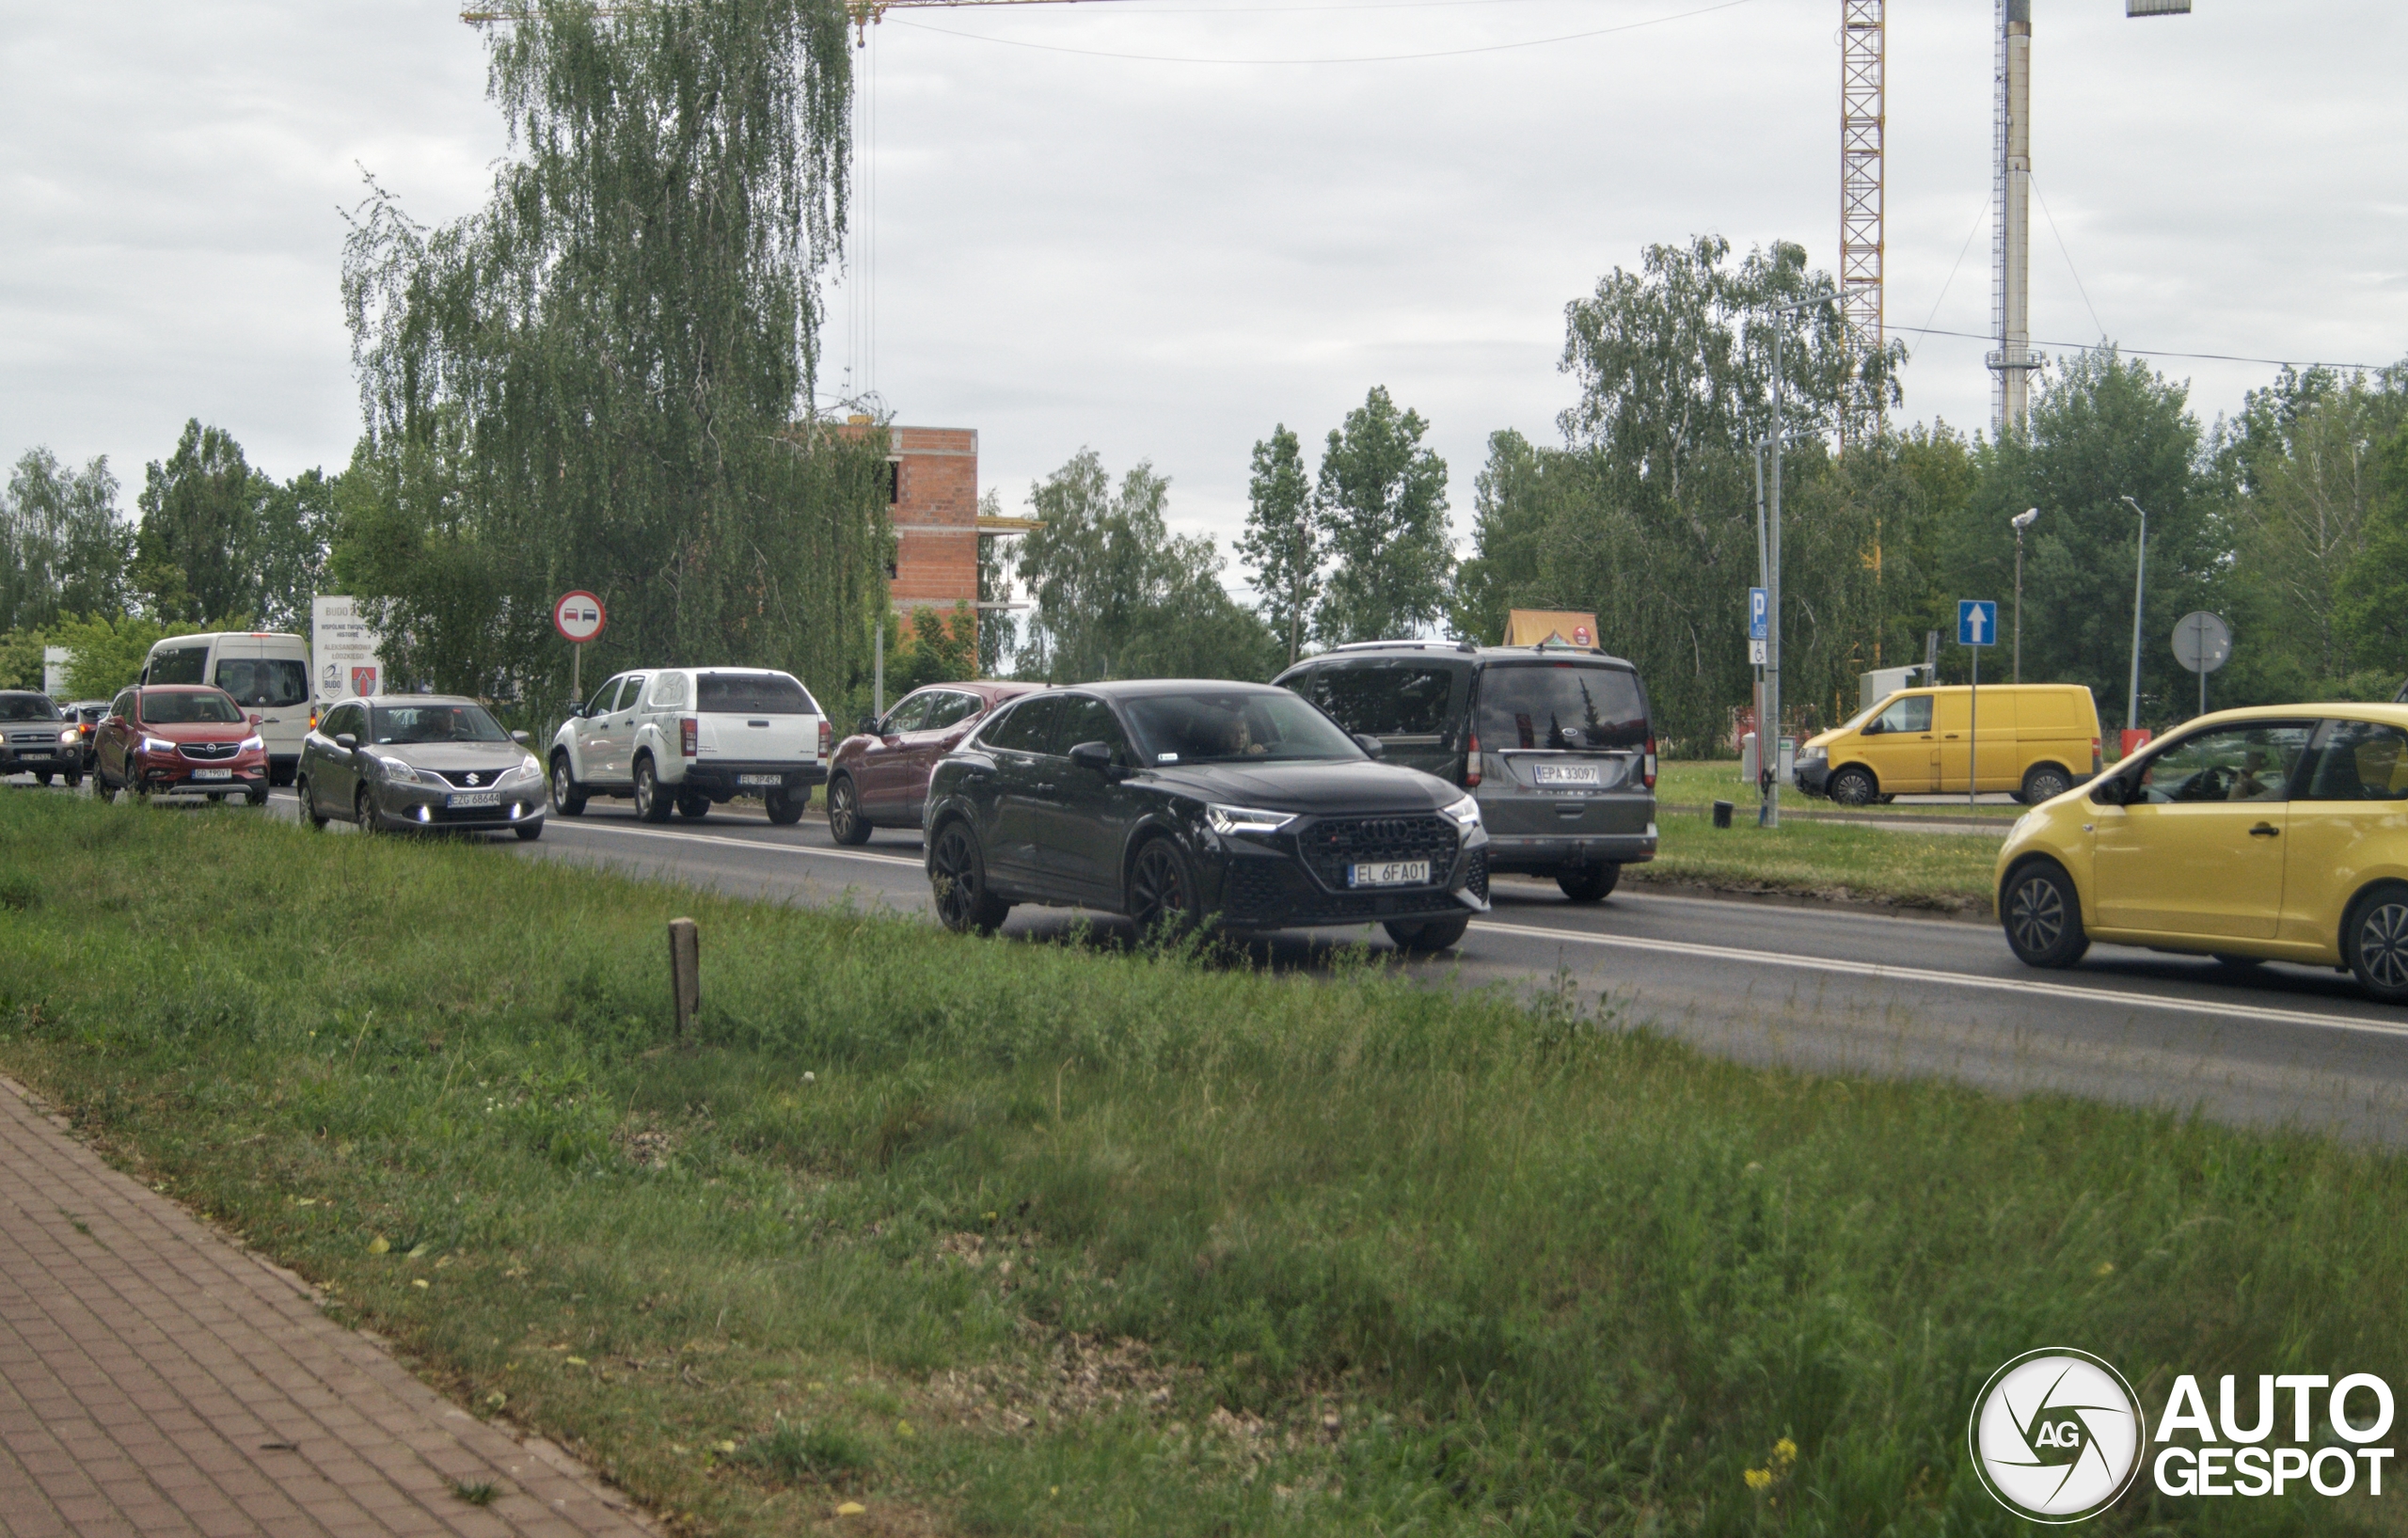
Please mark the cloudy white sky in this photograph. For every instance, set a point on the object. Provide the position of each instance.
(1161, 257)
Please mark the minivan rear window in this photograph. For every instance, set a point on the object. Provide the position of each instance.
(1563, 705)
(1386, 699)
(180, 665)
(256, 681)
(752, 694)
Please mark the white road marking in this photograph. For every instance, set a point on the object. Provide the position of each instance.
(2029, 988)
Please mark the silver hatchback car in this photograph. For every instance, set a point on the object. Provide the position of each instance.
(394, 761)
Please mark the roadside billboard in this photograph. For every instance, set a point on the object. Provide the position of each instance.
(342, 652)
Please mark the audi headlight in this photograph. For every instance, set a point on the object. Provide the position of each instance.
(157, 744)
(1227, 820)
(1466, 812)
(253, 743)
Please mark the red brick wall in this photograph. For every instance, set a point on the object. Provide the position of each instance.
(936, 518)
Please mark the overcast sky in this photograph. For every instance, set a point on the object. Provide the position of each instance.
(1162, 258)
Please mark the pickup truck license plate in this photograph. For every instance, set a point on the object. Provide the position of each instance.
(213, 774)
(474, 798)
(1564, 774)
(760, 779)
(1389, 873)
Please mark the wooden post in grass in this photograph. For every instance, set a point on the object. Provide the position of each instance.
(685, 973)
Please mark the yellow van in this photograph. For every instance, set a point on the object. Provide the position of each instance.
(2036, 740)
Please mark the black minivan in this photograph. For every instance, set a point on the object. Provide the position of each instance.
(1554, 741)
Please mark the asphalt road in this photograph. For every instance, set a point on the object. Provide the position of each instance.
(1825, 990)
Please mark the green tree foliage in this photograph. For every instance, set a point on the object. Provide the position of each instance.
(1381, 502)
(593, 381)
(1647, 516)
(943, 649)
(2304, 454)
(106, 655)
(1116, 596)
(63, 545)
(2102, 427)
(220, 539)
(2372, 595)
(1282, 542)
(200, 517)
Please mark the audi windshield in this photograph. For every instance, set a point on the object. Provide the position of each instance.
(1235, 727)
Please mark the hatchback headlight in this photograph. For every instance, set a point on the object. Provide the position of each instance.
(157, 744)
(1465, 812)
(252, 743)
(528, 769)
(399, 772)
(1227, 820)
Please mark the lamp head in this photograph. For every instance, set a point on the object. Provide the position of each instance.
(2135, 507)
(2024, 519)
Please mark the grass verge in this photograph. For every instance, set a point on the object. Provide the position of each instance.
(1701, 782)
(1001, 1238)
(1851, 861)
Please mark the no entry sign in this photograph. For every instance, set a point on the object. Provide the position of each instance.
(577, 616)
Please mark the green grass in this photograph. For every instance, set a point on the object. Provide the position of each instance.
(1699, 781)
(1950, 871)
(1003, 1238)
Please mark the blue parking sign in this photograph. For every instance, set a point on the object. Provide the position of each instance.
(1759, 615)
(1976, 622)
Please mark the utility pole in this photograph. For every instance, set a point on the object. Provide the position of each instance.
(2140, 587)
(2020, 521)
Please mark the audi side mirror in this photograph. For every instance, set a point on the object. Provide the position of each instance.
(1097, 756)
(347, 742)
(1371, 745)
(519, 737)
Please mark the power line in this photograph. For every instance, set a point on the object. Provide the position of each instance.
(1370, 58)
(2155, 352)
(2079, 286)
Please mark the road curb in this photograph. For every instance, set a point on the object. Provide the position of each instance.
(1974, 912)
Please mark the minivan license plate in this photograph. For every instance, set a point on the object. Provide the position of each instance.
(760, 779)
(213, 774)
(478, 798)
(1564, 774)
(1389, 873)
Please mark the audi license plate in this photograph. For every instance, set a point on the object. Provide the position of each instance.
(1389, 873)
(1564, 774)
(213, 774)
(760, 779)
(474, 798)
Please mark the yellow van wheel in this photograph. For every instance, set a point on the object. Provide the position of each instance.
(2045, 781)
(1854, 786)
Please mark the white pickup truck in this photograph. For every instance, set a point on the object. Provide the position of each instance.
(683, 740)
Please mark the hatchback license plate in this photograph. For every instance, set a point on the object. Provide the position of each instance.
(1564, 774)
(474, 798)
(1389, 873)
(760, 779)
(213, 774)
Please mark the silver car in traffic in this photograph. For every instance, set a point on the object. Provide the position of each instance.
(397, 761)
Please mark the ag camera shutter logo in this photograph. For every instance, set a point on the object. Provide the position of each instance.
(2057, 1435)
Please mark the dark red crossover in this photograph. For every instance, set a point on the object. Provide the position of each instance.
(878, 777)
(181, 740)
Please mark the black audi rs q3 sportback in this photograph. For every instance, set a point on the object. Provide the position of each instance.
(1177, 803)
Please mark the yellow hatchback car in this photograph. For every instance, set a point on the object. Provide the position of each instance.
(2276, 833)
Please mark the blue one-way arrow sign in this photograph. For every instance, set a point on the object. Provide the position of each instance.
(1976, 622)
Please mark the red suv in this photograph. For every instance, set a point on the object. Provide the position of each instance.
(181, 740)
(878, 777)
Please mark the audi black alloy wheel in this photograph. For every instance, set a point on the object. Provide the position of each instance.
(1162, 892)
(958, 878)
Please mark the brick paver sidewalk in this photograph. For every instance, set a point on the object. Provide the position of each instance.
(155, 1378)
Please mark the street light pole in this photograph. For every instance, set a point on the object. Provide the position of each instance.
(1768, 729)
(2139, 584)
(2021, 522)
